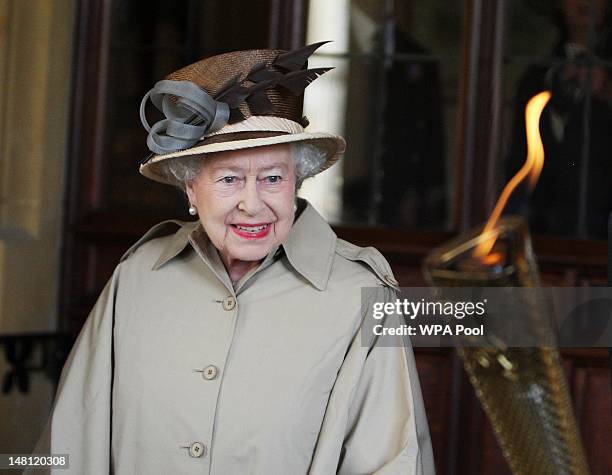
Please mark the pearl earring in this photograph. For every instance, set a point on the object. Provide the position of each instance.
(193, 210)
(294, 207)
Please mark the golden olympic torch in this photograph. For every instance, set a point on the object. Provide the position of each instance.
(522, 390)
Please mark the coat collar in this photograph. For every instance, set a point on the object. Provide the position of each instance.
(309, 247)
(177, 243)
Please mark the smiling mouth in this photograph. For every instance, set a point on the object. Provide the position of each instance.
(251, 231)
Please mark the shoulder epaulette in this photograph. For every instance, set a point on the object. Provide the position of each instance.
(372, 258)
(165, 228)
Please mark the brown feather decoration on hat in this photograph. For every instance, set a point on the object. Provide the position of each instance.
(296, 59)
(285, 71)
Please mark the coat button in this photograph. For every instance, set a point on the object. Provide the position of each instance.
(229, 303)
(197, 449)
(210, 372)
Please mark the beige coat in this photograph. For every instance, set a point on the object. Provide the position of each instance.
(269, 376)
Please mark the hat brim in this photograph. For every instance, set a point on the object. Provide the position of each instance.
(332, 145)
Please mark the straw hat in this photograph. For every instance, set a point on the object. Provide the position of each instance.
(233, 101)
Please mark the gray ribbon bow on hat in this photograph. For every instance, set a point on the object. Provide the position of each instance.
(189, 116)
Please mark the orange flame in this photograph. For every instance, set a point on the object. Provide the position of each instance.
(530, 169)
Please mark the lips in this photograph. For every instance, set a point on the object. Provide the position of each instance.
(251, 231)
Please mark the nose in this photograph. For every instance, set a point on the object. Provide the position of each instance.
(251, 201)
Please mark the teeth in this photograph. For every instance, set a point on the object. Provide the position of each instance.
(252, 229)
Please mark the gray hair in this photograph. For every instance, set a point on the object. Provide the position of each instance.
(308, 159)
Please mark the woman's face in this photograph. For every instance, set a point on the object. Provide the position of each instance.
(245, 201)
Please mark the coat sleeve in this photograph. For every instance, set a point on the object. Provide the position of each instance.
(375, 421)
(80, 420)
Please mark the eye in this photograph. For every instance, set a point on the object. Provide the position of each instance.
(273, 179)
(229, 180)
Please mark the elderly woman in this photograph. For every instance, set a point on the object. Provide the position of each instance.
(234, 343)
